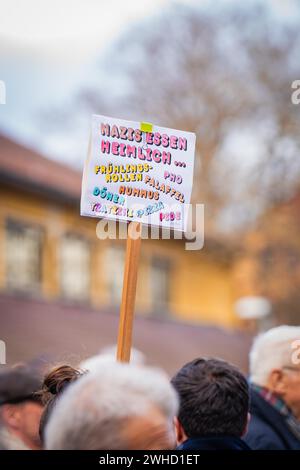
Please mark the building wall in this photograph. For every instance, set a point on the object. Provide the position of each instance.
(199, 287)
(270, 263)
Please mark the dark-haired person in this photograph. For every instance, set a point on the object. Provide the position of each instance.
(20, 409)
(55, 383)
(213, 406)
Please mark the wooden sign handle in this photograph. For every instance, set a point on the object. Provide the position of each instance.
(129, 291)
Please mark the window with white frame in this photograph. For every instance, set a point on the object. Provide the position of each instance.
(23, 255)
(74, 267)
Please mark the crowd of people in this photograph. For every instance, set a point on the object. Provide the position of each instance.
(208, 405)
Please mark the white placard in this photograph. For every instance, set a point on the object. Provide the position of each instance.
(132, 175)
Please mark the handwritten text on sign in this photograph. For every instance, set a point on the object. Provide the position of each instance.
(132, 175)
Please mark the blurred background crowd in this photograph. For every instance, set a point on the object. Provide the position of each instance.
(209, 404)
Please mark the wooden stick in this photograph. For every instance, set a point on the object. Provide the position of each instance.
(129, 291)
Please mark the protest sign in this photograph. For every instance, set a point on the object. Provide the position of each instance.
(136, 175)
(139, 173)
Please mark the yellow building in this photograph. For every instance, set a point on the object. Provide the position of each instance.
(269, 264)
(48, 251)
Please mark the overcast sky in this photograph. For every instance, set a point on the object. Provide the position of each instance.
(48, 50)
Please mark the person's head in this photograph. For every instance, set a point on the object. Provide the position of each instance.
(55, 383)
(108, 354)
(20, 409)
(213, 400)
(275, 364)
(119, 406)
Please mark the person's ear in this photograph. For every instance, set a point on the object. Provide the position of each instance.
(179, 431)
(278, 382)
(246, 425)
(11, 416)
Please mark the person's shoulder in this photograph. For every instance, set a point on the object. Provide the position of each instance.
(261, 435)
